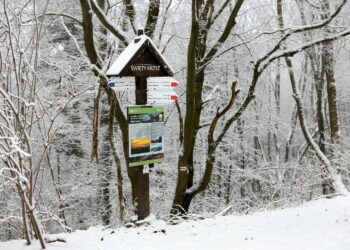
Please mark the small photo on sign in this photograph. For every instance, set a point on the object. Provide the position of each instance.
(157, 147)
(157, 133)
(146, 118)
(157, 139)
(141, 145)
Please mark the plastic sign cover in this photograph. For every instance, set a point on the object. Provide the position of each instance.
(146, 126)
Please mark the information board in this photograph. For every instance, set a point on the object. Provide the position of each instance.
(146, 125)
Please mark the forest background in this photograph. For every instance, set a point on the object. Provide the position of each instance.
(262, 120)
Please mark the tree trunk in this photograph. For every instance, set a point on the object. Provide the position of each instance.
(121, 198)
(328, 58)
(242, 161)
(197, 59)
(318, 78)
(334, 177)
(105, 170)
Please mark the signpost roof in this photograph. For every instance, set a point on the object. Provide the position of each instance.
(141, 47)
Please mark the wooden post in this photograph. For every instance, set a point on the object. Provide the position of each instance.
(143, 209)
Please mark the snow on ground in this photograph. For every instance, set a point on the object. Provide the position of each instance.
(318, 225)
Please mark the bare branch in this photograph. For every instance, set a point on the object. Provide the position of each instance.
(227, 30)
(152, 17)
(108, 24)
(130, 12)
(55, 14)
(89, 34)
(302, 29)
(220, 114)
(294, 51)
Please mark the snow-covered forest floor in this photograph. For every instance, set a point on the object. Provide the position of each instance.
(322, 224)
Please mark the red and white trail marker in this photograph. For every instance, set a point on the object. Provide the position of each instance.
(161, 96)
(161, 90)
(161, 83)
(183, 168)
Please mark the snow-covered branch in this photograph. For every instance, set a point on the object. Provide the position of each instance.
(292, 52)
(108, 23)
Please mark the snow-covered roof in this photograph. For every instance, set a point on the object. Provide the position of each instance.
(129, 52)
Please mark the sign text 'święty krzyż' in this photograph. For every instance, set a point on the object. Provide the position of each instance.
(145, 67)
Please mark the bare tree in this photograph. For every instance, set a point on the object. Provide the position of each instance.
(335, 179)
(29, 120)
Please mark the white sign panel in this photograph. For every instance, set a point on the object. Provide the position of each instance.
(122, 84)
(161, 97)
(120, 87)
(159, 101)
(162, 82)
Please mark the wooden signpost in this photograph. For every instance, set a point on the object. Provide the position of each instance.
(141, 59)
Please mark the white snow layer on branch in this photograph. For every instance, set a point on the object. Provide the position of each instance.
(292, 52)
(19, 177)
(14, 145)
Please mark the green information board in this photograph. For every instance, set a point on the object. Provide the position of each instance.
(146, 126)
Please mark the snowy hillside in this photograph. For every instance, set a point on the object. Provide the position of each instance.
(318, 225)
